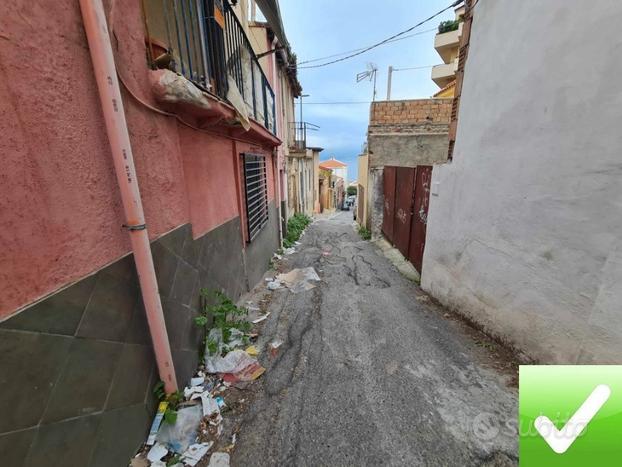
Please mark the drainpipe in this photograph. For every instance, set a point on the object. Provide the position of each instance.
(98, 37)
(275, 152)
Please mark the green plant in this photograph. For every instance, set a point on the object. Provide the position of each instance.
(364, 233)
(295, 225)
(447, 26)
(173, 399)
(351, 190)
(174, 460)
(226, 317)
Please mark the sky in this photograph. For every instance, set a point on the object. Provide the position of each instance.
(318, 28)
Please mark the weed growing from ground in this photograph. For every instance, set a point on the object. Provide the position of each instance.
(295, 225)
(226, 317)
(364, 233)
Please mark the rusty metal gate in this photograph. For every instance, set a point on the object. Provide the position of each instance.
(406, 201)
(404, 183)
(389, 201)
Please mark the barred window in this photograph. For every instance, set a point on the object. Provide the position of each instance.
(256, 192)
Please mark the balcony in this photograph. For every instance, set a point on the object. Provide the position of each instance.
(204, 41)
(447, 44)
(299, 130)
(445, 73)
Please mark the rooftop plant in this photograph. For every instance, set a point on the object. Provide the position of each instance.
(447, 26)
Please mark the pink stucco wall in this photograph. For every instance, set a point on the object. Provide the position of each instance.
(59, 203)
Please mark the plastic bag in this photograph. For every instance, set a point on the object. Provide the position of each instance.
(183, 433)
(236, 339)
(233, 362)
(214, 340)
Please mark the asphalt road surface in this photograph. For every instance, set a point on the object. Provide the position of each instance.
(370, 373)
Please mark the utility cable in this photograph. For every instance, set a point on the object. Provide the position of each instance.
(366, 49)
(361, 48)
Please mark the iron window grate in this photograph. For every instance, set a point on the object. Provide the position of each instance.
(256, 193)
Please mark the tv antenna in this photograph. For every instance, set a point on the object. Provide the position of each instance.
(369, 74)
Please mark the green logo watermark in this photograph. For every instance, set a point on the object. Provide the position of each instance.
(570, 415)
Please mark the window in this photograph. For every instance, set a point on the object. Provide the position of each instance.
(256, 192)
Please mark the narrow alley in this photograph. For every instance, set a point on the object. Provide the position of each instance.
(370, 373)
(284, 233)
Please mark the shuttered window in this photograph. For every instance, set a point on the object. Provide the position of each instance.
(256, 192)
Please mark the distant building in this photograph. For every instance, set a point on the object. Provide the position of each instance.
(447, 44)
(337, 181)
(303, 180)
(339, 168)
(362, 193)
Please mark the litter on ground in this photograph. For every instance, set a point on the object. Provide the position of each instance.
(195, 453)
(219, 459)
(157, 452)
(274, 285)
(274, 347)
(182, 434)
(261, 318)
(299, 280)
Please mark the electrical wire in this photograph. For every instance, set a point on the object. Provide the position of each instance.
(337, 102)
(413, 68)
(361, 48)
(366, 49)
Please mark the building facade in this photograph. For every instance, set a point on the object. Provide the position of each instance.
(362, 190)
(404, 133)
(337, 181)
(76, 361)
(524, 225)
(303, 180)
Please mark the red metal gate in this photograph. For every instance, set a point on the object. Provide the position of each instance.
(389, 202)
(404, 183)
(406, 200)
(420, 215)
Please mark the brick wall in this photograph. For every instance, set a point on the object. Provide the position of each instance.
(411, 111)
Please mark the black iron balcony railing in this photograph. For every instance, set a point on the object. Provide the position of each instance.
(206, 43)
(300, 129)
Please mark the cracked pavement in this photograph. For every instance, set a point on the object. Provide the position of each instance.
(370, 372)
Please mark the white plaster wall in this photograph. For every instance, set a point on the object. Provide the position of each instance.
(525, 235)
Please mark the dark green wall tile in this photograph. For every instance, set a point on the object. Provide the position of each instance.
(109, 311)
(29, 366)
(185, 362)
(85, 380)
(191, 252)
(165, 263)
(177, 319)
(130, 381)
(185, 280)
(121, 433)
(260, 250)
(139, 328)
(174, 241)
(68, 444)
(14, 447)
(123, 269)
(58, 314)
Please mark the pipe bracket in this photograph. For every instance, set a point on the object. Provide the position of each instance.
(135, 227)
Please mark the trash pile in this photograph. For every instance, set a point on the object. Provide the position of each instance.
(296, 280)
(189, 424)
